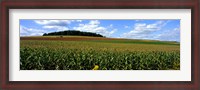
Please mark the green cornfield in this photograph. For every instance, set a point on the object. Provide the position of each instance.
(107, 54)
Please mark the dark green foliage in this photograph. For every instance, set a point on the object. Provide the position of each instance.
(73, 32)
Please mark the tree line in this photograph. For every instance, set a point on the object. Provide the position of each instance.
(72, 32)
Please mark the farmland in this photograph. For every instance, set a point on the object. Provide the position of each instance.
(84, 52)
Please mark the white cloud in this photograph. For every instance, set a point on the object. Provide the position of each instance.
(54, 22)
(94, 26)
(79, 20)
(111, 25)
(58, 25)
(24, 31)
(94, 22)
(170, 35)
(126, 26)
(144, 31)
(57, 28)
(113, 31)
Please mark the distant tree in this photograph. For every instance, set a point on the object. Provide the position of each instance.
(73, 32)
(44, 34)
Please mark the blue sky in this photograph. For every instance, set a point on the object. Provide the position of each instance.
(164, 30)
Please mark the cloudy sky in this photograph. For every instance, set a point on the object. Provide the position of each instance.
(165, 30)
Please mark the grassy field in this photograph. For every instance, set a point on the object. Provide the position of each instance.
(83, 53)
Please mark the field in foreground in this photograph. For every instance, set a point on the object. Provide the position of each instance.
(83, 53)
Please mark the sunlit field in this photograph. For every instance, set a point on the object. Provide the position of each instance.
(83, 53)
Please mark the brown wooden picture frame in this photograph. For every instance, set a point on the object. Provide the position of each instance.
(194, 84)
